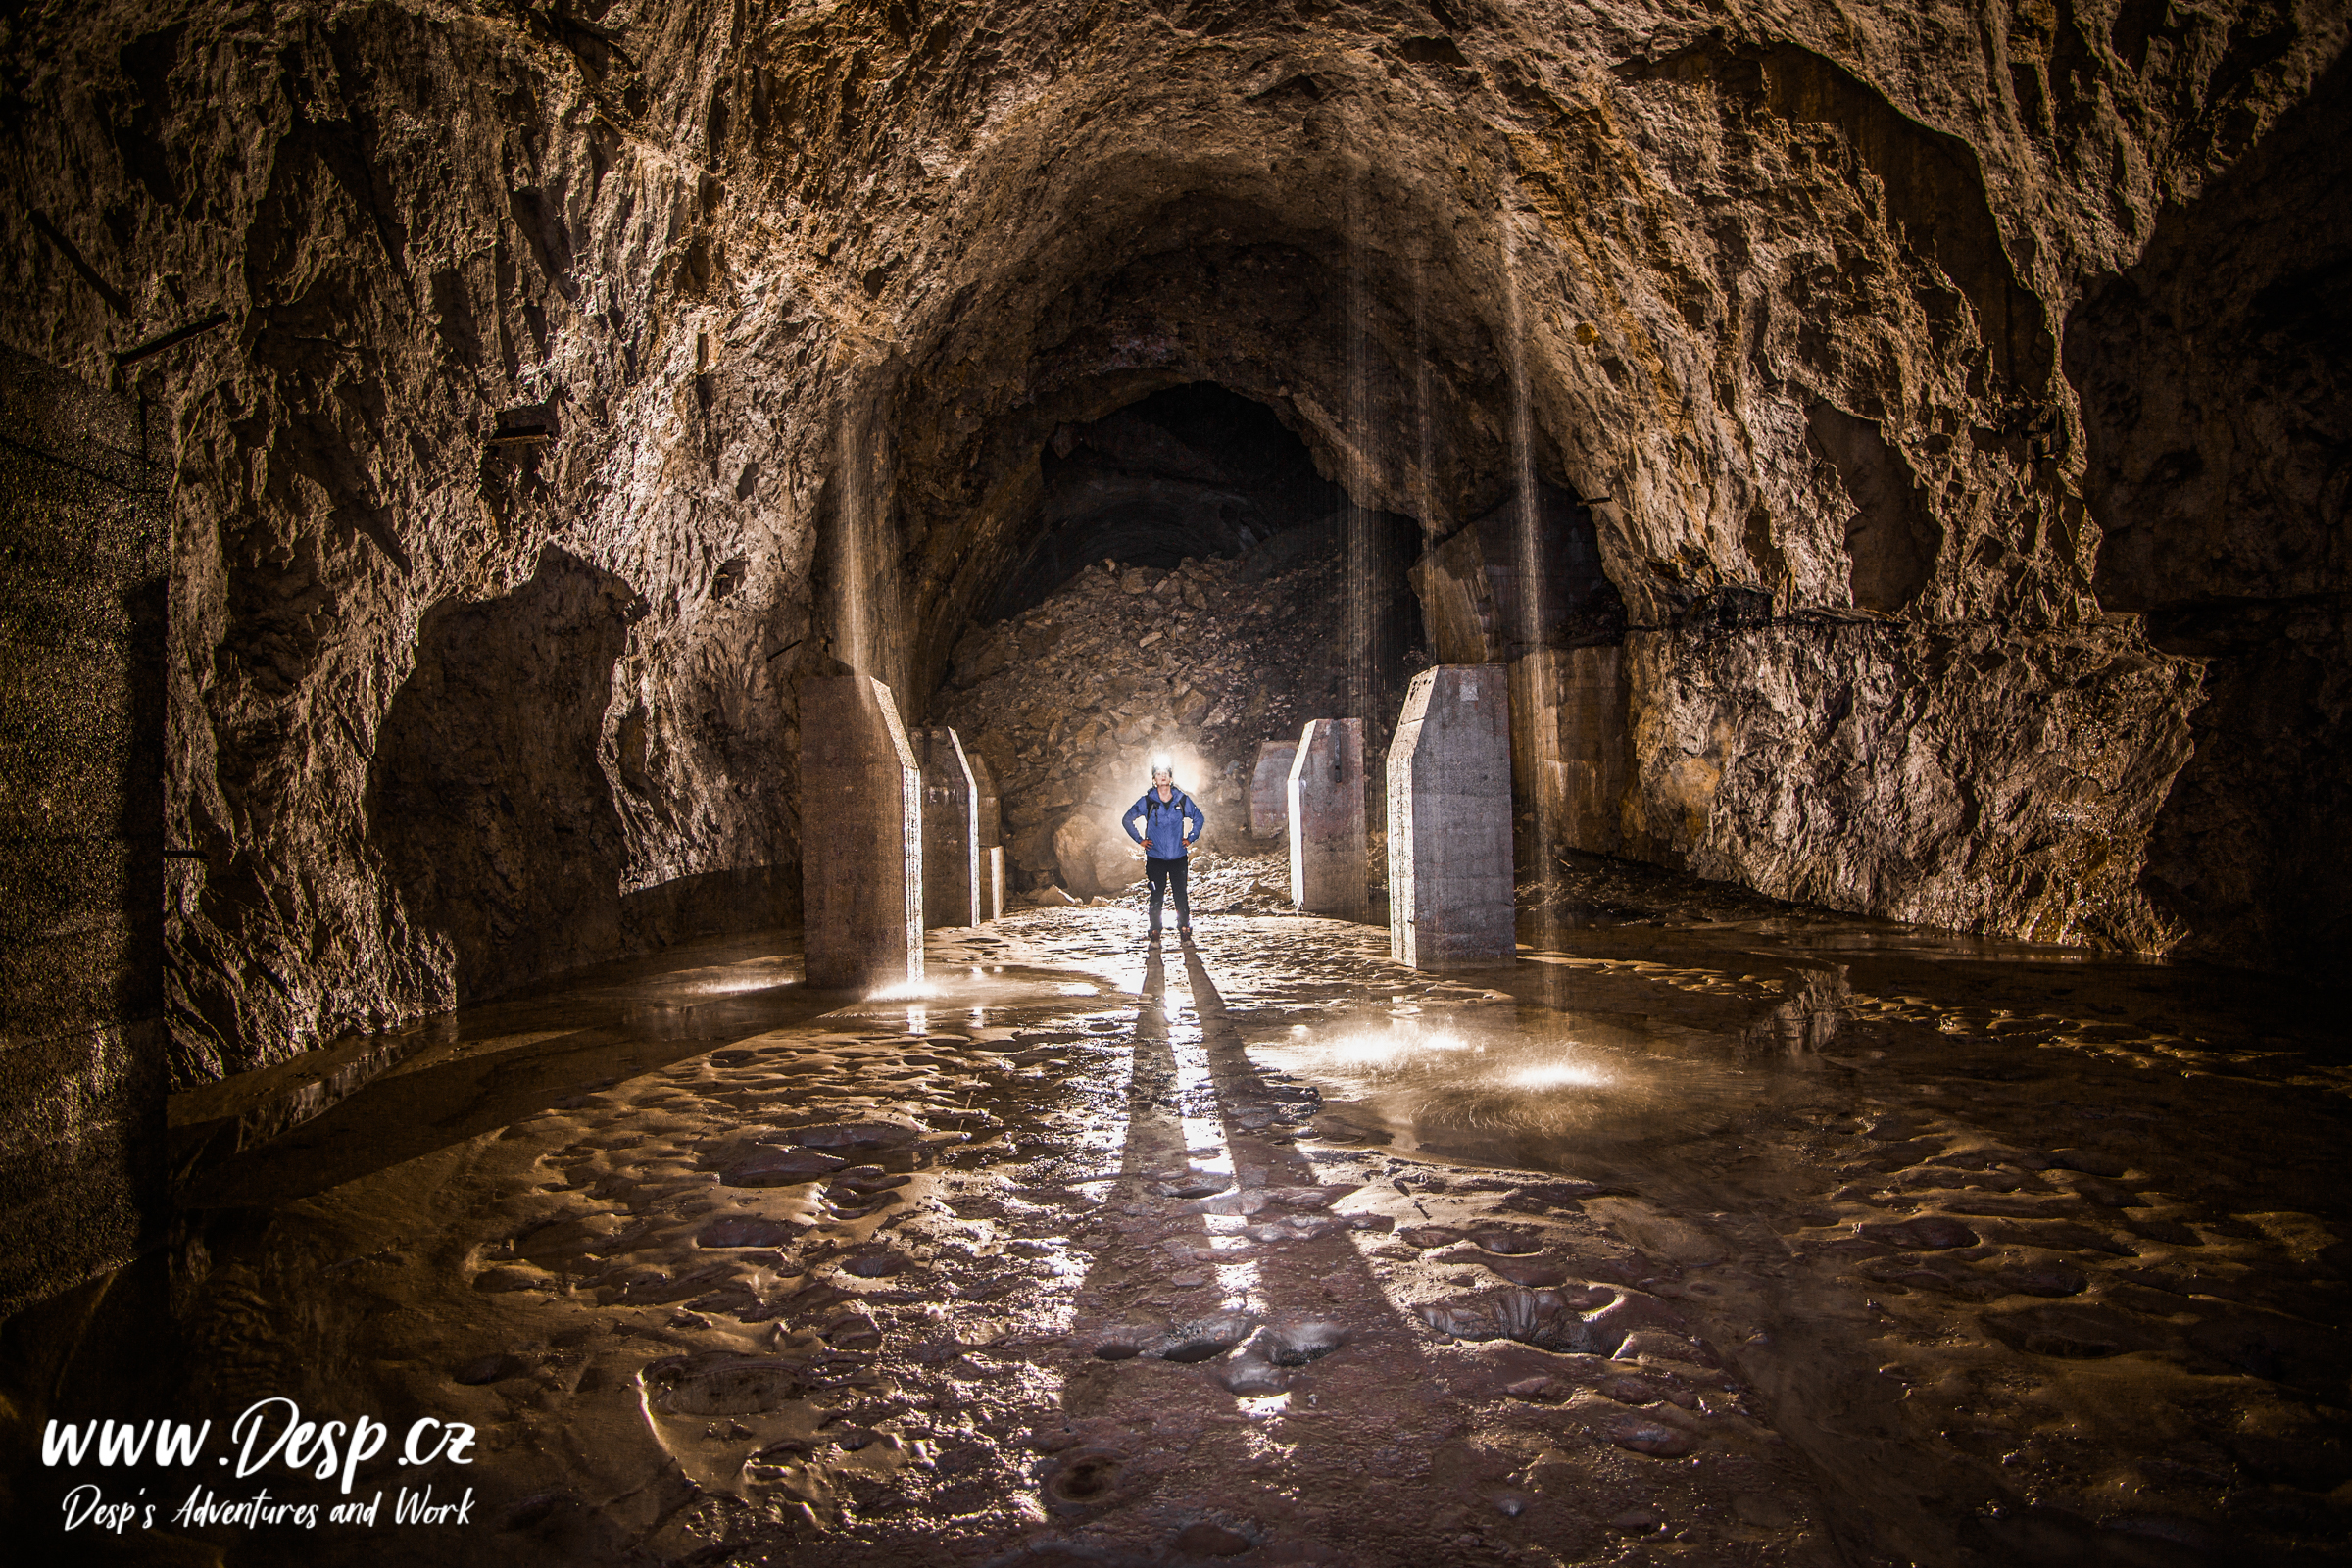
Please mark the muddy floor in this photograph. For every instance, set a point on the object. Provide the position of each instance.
(1773, 1240)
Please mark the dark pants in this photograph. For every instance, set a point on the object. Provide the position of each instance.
(1161, 873)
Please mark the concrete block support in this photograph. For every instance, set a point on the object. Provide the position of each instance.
(1269, 787)
(83, 523)
(950, 831)
(990, 811)
(862, 832)
(1326, 810)
(1449, 821)
(1569, 759)
(986, 806)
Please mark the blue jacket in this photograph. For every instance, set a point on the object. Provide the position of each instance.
(1165, 834)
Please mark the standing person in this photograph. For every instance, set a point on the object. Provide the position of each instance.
(1172, 825)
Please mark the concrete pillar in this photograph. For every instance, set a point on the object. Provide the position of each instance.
(1269, 787)
(1569, 762)
(986, 803)
(990, 811)
(862, 837)
(85, 513)
(1449, 821)
(950, 831)
(1326, 794)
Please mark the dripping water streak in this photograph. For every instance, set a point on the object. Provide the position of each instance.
(1361, 463)
(1426, 493)
(1523, 462)
(1532, 592)
(855, 522)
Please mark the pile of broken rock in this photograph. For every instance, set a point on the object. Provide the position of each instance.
(1068, 701)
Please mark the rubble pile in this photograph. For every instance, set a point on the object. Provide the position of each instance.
(1069, 701)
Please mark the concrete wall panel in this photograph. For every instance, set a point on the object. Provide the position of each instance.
(83, 1076)
(1569, 755)
(1269, 788)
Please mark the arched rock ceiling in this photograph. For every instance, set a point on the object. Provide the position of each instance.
(1675, 244)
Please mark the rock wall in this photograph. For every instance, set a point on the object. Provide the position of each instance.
(1955, 776)
(768, 314)
(418, 294)
(2216, 379)
(1192, 470)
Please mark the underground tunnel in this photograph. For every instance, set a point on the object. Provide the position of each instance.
(1745, 615)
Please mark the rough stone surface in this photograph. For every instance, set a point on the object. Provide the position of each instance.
(1190, 470)
(1067, 703)
(1094, 855)
(2214, 382)
(1450, 895)
(500, 838)
(769, 319)
(1867, 765)
(1521, 578)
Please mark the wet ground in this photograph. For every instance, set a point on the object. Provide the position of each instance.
(1778, 1239)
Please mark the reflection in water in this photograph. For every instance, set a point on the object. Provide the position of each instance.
(1807, 1023)
(1555, 1075)
(906, 990)
(1521, 1085)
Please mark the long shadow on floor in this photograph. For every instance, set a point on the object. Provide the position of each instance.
(1164, 1456)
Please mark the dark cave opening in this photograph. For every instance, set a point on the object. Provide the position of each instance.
(1196, 584)
(1192, 470)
